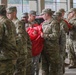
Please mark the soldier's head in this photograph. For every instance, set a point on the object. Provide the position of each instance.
(24, 17)
(47, 13)
(2, 10)
(11, 12)
(62, 11)
(32, 15)
(72, 12)
(58, 16)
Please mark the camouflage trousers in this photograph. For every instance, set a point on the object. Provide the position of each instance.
(6, 67)
(50, 62)
(35, 65)
(72, 52)
(29, 65)
(61, 65)
(62, 59)
(20, 67)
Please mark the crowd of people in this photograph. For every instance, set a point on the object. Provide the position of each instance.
(26, 43)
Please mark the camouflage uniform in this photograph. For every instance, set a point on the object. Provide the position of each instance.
(8, 50)
(73, 42)
(50, 53)
(22, 44)
(62, 41)
(63, 31)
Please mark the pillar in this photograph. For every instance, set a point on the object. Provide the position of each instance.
(41, 5)
(33, 5)
(70, 4)
(3, 2)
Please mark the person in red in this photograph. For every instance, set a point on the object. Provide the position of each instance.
(35, 32)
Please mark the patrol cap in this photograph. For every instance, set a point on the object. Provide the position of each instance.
(72, 9)
(61, 10)
(58, 14)
(2, 8)
(48, 10)
(25, 14)
(11, 9)
(32, 12)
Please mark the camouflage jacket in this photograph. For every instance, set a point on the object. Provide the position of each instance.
(72, 32)
(51, 31)
(8, 48)
(63, 30)
(22, 38)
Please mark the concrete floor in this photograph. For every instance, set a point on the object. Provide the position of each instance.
(70, 71)
(67, 72)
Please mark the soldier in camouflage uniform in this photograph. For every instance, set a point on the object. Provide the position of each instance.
(72, 34)
(62, 11)
(31, 21)
(22, 41)
(50, 53)
(62, 40)
(8, 50)
(24, 18)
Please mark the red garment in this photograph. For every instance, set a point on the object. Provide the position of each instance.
(36, 39)
(69, 26)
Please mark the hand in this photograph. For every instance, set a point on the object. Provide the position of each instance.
(42, 35)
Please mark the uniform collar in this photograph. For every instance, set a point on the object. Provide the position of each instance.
(48, 21)
(15, 19)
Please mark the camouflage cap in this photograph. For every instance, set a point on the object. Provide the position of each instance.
(72, 9)
(61, 10)
(2, 7)
(25, 14)
(32, 12)
(11, 9)
(59, 14)
(48, 10)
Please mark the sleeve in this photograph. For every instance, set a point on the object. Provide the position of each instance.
(1, 33)
(73, 24)
(55, 27)
(65, 27)
(29, 47)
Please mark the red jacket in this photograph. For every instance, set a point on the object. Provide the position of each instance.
(36, 39)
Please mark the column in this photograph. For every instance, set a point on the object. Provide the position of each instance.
(70, 4)
(3, 2)
(41, 5)
(33, 5)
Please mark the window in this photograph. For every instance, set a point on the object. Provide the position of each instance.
(74, 3)
(56, 4)
(22, 6)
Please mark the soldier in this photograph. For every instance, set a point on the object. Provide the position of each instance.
(62, 40)
(50, 53)
(21, 38)
(33, 23)
(31, 19)
(72, 34)
(62, 11)
(8, 50)
(24, 18)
